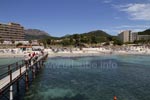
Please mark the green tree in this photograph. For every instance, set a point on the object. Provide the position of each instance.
(66, 42)
(71, 41)
(48, 41)
(77, 39)
(94, 40)
(110, 38)
(117, 42)
(19, 44)
(84, 39)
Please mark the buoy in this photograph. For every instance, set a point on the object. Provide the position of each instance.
(115, 98)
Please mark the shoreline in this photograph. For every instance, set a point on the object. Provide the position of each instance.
(89, 54)
(51, 55)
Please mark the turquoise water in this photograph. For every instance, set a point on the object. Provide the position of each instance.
(88, 78)
(6, 61)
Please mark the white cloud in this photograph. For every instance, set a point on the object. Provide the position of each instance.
(136, 11)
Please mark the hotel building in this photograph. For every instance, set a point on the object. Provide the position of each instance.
(125, 36)
(143, 37)
(128, 36)
(134, 36)
(12, 31)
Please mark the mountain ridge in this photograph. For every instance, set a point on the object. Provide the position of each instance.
(38, 34)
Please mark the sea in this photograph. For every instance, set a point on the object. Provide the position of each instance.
(90, 78)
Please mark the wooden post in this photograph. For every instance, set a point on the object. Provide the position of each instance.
(39, 64)
(20, 71)
(35, 65)
(27, 81)
(33, 72)
(10, 73)
(11, 93)
(27, 77)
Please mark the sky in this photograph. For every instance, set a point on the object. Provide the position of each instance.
(61, 17)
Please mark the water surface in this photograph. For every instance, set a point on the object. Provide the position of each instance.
(90, 78)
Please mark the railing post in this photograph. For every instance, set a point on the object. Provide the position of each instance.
(39, 64)
(27, 84)
(36, 65)
(20, 71)
(10, 73)
(33, 72)
(27, 77)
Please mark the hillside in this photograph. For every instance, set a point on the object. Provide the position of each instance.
(97, 33)
(97, 36)
(146, 32)
(35, 34)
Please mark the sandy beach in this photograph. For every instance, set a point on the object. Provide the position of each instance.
(71, 54)
(76, 52)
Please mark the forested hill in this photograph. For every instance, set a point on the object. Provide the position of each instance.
(97, 36)
(146, 32)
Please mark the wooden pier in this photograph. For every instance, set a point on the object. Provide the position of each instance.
(19, 70)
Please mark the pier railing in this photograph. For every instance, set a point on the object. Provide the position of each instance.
(6, 69)
(13, 73)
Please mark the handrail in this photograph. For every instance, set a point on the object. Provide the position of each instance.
(13, 67)
(4, 66)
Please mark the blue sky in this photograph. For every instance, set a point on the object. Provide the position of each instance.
(61, 17)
